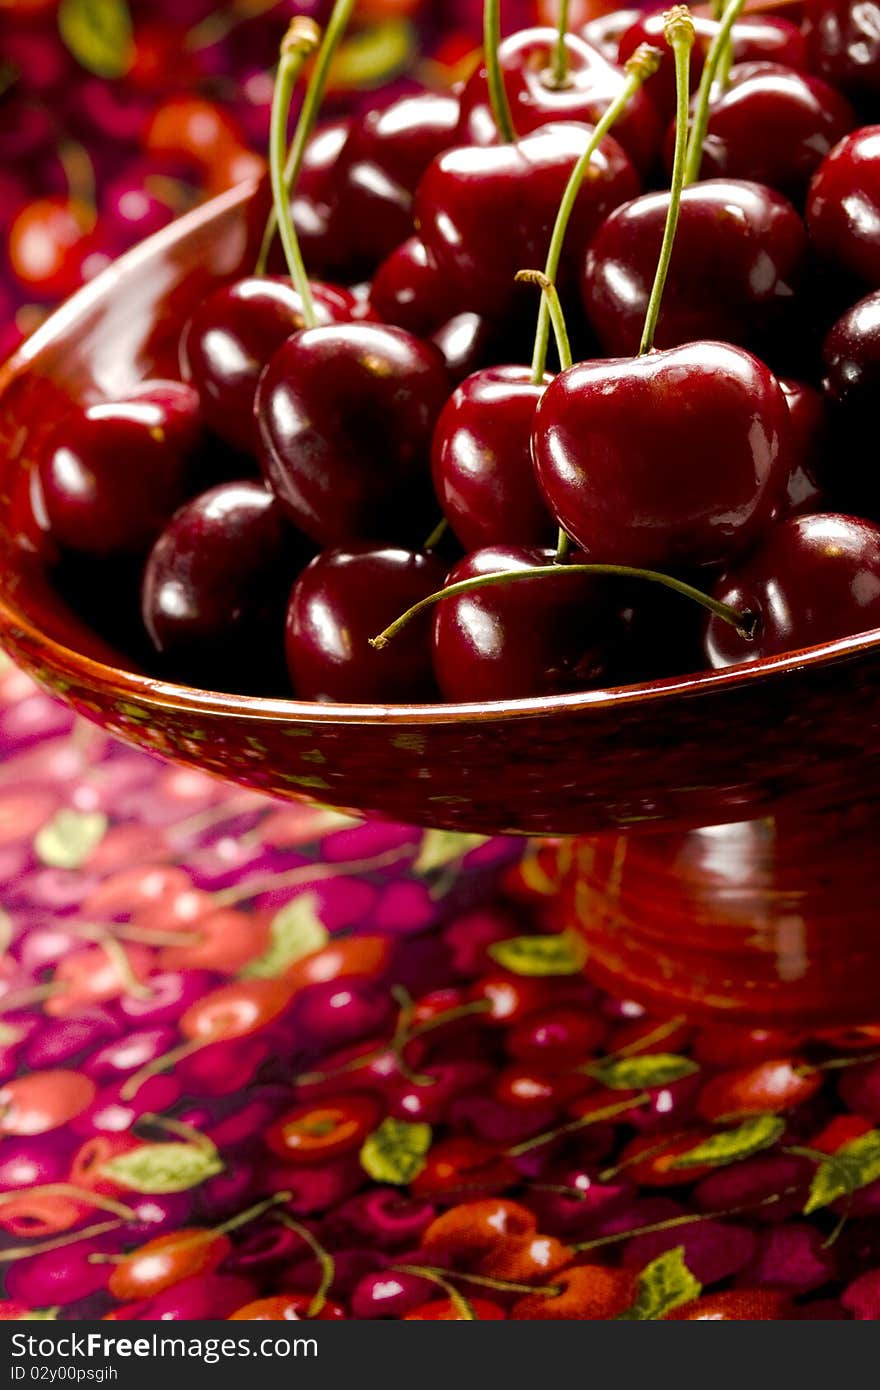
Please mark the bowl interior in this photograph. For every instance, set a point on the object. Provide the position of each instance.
(703, 749)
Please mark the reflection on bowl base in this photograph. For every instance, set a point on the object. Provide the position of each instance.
(772, 922)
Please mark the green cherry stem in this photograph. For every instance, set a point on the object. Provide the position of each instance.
(498, 98)
(679, 34)
(559, 70)
(744, 623)
(639, 68)
(324, 1259)
(436, 535)
(481, 1281)
(554, 310)
(333, 35)
(717, 66)
(563, 347)
(298, 44)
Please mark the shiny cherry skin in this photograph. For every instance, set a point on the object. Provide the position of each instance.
(385, 156)
(213, 591)
(843, 207)
(772, 125)
(485, 214)
(676, 459)
(606, 30)
(739, 259)
(756, 38)
(851, 358)
(346, 415)
(482, 462)
(341, 600)
(409, 291)
(592, 84)
(809, 438)
(233, 334)
(851, 361)
(843, 44)
(323, 241)
(112, 474)
(813, 579)
(534, 637)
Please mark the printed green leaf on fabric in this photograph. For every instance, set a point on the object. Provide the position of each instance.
(295, 932)
(641, 1073)
(563, 954)
(98, 34)
(753, 1135)
(441, 847)
(851, 1168)
(665, 1284)
(163, 1168)
(67, 840)
(395, 1152)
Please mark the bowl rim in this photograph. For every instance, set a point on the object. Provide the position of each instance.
(171, 697)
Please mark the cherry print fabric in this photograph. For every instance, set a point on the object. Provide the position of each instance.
(259, 1060)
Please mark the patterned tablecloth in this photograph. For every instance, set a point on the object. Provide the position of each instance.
(257, 1056)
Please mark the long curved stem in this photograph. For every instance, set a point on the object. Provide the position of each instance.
(717, 62)
(679, 30)
(640, 66)
(743, 622)
(298, 45)
(498, 97)
(336, 26)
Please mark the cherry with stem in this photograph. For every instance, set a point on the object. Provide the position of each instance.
(742, 622)
(333, 35)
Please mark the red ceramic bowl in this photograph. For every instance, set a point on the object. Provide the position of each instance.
(786, 751)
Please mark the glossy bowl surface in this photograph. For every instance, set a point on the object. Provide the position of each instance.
(802, 731)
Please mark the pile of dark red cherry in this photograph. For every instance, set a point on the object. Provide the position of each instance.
(737, 454)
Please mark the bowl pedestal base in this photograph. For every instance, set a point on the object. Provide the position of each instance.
(771, 922)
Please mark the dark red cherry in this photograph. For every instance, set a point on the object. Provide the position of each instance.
(813, 579)
(843, 44)
(843, 207)
(215, 583)
(739, 260)
(230, 338)
(409, 291)
(809, 441)
(341, 600)
(530, 637)
(385, 156)
(482, 461)
(346, 416)
(485, 214)
(756, 38)
(591, 85)
(466, 342)
(112, 474)
(679, 458)
(851, 359)
(322, 240)
(773, 125)
(605, 31)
